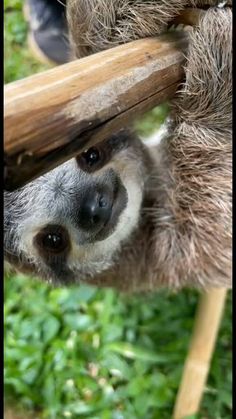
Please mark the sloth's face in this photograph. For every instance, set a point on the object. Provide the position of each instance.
(70, 223)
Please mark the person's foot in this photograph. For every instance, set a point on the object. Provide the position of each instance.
(47, 30)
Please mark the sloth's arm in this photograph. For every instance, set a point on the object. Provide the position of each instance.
(96, 25)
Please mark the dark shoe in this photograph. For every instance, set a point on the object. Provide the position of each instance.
(48, 35)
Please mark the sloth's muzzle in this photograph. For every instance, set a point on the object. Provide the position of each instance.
(94, 215)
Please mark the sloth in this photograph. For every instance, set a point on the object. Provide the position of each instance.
(122, 214)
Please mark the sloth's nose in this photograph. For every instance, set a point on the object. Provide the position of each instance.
(95, 210)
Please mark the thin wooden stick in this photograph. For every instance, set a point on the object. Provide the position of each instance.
(197, 363)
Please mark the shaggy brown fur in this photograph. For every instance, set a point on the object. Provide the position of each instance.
(96, 25)
(185, 235)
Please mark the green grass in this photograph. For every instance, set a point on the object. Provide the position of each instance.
(82, 352)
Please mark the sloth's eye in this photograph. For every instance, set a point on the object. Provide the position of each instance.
(52, 239)
(53, 242)
(93, 159)
(91, 156)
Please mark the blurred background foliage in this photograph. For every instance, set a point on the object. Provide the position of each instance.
(81, 352)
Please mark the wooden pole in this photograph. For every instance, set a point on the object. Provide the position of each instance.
(49, 117)
(197, 363)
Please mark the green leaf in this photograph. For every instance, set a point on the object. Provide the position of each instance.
(50, 328)
(135, 352)
(78, 408)
(77, 321)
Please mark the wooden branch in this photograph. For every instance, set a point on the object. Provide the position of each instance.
(49, 117)
(197, 363)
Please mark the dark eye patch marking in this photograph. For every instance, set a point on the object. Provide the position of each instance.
(98, 156)
(52, 240)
